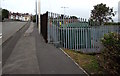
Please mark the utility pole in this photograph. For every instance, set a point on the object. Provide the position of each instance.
(64, 9)
(39, 27)
(119, 11)
(36, 11)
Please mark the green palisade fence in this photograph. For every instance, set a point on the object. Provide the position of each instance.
(76, 37)
(76, 34)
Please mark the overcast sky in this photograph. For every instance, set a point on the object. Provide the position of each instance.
(79, 8)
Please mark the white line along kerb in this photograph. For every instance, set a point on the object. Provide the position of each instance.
(75, 62)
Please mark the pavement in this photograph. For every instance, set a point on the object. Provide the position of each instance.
(31, 55)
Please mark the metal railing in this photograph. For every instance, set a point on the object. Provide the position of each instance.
(76, 34)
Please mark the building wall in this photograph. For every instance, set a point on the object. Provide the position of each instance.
(22, 18)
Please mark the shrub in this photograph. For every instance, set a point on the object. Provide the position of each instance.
(111, 52)
(111, 23)
(34, 18)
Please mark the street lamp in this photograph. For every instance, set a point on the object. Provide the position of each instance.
(64, 9)
(36, 11)
(39, 28)
(38, 20)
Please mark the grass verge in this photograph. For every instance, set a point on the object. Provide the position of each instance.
(88, 62)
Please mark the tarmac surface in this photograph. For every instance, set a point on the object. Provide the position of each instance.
(31, 55)
(10, 43)
(10, 28)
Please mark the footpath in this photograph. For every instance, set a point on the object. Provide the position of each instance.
(32, 55)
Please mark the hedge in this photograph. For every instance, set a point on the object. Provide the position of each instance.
(111, 53)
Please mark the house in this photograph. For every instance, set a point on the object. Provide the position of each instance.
(19, 16)
(26, 17)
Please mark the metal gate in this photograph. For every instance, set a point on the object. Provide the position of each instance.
(44, 21)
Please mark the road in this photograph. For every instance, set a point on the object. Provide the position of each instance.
(9, 28)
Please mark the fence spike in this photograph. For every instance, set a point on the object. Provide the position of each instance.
(81, 19)
(85, 20)
(67, 19)
(51, 15)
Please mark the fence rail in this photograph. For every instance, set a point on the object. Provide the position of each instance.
(72, 33)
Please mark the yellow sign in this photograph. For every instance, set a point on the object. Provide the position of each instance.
(60, 24)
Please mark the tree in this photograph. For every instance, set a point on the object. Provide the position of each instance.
(101, 13)
(73, 17)
(34, 18)
(5, 13)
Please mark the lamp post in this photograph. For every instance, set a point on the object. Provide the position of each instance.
(64, 9)
(39, 27)
(119, 11)
(36, 11)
